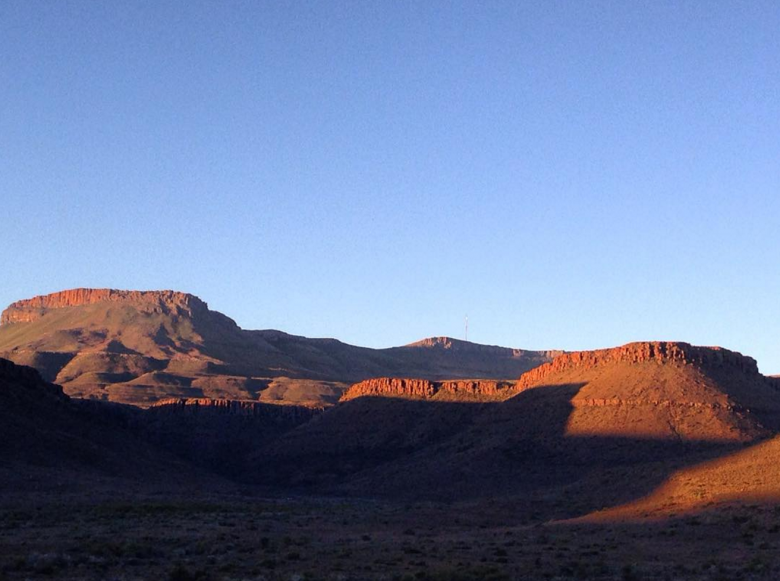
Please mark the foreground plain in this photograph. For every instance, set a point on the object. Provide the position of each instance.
(244, 536)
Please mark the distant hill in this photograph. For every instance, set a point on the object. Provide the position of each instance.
(140, 347)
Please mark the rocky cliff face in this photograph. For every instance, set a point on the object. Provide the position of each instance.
(28, 310)
(642, 352)
(488, 390)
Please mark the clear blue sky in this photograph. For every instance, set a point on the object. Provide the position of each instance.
(570, 174)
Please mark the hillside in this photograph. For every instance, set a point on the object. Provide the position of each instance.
(750, 475)
(669, 423)
(48, 440)
(598, 428)
(143, 346)
(663, 390)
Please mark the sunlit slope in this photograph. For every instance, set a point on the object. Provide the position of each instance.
(663, 390)
(751, 475)
(142, 346)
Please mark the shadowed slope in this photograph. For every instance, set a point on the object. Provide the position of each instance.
(48, 440)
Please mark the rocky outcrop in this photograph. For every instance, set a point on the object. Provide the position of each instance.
(391, 387)
(642, 352)
(28, 310)
(408, 388)
(194, 406)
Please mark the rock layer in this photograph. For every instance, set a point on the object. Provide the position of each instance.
(642, 352)
(424, 389)
(28, 310)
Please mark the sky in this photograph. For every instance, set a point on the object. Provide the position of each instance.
(570, 175)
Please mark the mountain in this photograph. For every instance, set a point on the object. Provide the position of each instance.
(601, 427)
(140, 347)
(663, 390)
(586, 431)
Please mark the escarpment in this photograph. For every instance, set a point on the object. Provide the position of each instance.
(193, 406)
(139, 347)
(407, 388)
(641, 352)
(662, 390)
(28, 310)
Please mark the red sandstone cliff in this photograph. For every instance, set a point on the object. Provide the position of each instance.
(424, 389)
(642, 352)
(28, 310)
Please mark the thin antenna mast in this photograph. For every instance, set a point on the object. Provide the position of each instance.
(467, 327)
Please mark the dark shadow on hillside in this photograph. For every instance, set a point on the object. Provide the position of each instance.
(514, 456)
(516, 453)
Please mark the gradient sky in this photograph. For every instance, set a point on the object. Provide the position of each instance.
(572, 175)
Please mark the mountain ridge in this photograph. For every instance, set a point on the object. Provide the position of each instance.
(142, 346)
(652, 406)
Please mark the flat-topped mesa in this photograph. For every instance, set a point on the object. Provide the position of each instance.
(28, 310)
(408, 388)
(642, 352)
